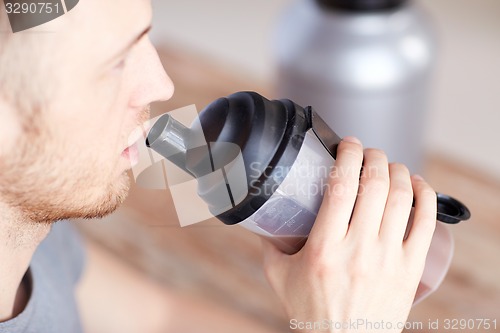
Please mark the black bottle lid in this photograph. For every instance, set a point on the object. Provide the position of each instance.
(248, 145)
(269, 135)
(361, 5)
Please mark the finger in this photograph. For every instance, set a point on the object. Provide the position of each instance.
(424, 221)
(398, 207)
(372, 195)
(340, 194)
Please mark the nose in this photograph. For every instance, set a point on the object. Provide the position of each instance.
(151, 82)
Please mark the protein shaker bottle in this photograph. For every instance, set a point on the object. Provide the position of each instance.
(264, 165)
(366, 66)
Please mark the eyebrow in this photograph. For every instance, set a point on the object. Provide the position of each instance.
(130, 44)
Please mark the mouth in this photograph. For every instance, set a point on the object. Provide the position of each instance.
(131, 153)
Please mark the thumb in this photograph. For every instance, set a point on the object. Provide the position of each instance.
(273, 258)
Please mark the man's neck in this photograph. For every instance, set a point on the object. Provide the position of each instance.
(19, 239)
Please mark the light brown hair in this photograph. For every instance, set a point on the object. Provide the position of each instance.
(21, 69)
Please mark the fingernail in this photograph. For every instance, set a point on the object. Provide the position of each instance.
(351, 139)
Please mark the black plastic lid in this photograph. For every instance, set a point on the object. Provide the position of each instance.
(246, 119)
(361, 5)
(269, 134)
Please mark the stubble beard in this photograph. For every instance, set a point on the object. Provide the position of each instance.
(45, 198)
(31, 185)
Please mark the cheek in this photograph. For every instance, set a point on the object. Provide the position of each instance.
(81, 161)
(84, 148)
(89, 117)
(110, 105)
(94, 125)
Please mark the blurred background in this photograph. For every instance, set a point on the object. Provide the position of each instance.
(238, 35)
(214, 48)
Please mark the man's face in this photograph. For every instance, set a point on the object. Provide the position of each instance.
(72, 162)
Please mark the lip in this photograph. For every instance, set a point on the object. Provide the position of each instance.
(131, 153)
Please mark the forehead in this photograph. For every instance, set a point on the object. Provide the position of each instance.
(100, 27)
(113, 17)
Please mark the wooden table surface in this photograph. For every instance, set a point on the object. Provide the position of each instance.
(223, 264)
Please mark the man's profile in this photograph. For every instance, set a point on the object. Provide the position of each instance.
(71, 92)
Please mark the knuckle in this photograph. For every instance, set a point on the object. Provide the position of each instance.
(427, 194)
(427, 225)
(399, 168)
(342, 175)
(376, 184)
(424, 190)
(423, 186)
(341, 188)
(351, 149)
(342, 184)
(375, 153)
(402, 194)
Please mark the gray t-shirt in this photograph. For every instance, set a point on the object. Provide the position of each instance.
(51, 278)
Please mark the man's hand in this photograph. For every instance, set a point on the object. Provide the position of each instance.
(357, 263)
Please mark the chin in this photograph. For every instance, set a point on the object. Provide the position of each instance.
(111, 198)
(84, 204)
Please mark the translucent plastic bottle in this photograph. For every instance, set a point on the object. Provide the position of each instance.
(264, 165)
